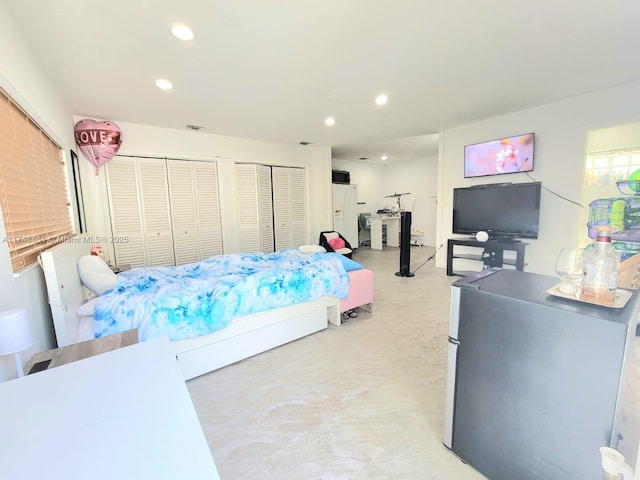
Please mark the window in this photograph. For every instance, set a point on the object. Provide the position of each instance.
(607, 168)
(33, 188)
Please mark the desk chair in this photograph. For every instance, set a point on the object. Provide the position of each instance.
(364, 223)
(333, 241)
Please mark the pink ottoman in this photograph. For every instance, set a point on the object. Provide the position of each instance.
(360, 291)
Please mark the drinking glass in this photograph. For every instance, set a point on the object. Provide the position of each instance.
(569, 268)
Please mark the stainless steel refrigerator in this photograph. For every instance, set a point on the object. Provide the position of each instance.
(536, 383)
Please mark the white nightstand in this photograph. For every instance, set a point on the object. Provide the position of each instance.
(78, 351)
(119, 268)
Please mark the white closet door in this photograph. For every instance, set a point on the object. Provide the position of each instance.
(248, 207)
(289, 207)
(281, 207)
(265, 209)
(183, 211)
(156, 214)
(298, 202)
(255, 214)
(205, 176)
(195, 210)
(126, 213)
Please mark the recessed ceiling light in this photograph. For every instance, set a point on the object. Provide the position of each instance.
(381, 99)
(330, 121)
(182, 32)
(383, 157)
(163, 84)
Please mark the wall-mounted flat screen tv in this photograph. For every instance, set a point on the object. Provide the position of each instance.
(497, 157)
(503, 210)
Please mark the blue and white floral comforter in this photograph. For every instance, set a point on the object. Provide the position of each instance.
(199, 298)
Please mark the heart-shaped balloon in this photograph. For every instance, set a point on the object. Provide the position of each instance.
(98, 141)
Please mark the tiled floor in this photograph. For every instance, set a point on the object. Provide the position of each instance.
(361, 401)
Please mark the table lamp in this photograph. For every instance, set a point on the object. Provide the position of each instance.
(15, 335)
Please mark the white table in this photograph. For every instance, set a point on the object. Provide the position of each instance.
(126, 413)
(393, 229)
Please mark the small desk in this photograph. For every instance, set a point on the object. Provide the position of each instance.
(393, 228)
(78, 351)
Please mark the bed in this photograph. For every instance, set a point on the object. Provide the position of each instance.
(245, 336)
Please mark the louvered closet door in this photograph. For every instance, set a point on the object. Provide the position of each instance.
(289, 206)
(195, 210)
(156, 214)
(265, 209)
(298, 204)
(248, 207)
(255, 214)
(184, 220)
(207, 208)
(125, 211)
(281, 208)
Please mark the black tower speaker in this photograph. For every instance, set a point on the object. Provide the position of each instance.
(405, 245)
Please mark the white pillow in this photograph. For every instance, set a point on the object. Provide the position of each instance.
(330, 235)
(86, 309)
(312, 249)
(96, 274)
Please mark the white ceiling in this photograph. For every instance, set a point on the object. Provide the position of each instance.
(274, 69)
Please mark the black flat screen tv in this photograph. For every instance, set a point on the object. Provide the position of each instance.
(497, 157)
(503, 210)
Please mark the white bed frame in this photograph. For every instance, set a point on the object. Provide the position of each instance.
(246, 336)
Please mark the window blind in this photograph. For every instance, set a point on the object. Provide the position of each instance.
(33, 188)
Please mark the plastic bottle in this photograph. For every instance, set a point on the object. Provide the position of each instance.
(601, 264)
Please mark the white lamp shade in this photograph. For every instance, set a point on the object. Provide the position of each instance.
(15, 333)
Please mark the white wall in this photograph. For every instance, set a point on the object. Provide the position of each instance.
(560, 128)
(561, 134)
(369, 179)
(419, 177)
(22, 78)
(620, 137)
(161, 142)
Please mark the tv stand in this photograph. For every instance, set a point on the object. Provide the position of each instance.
(491, 255)
(504, 240)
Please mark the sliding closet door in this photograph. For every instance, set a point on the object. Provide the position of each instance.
(289, 206)
(140, 214)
